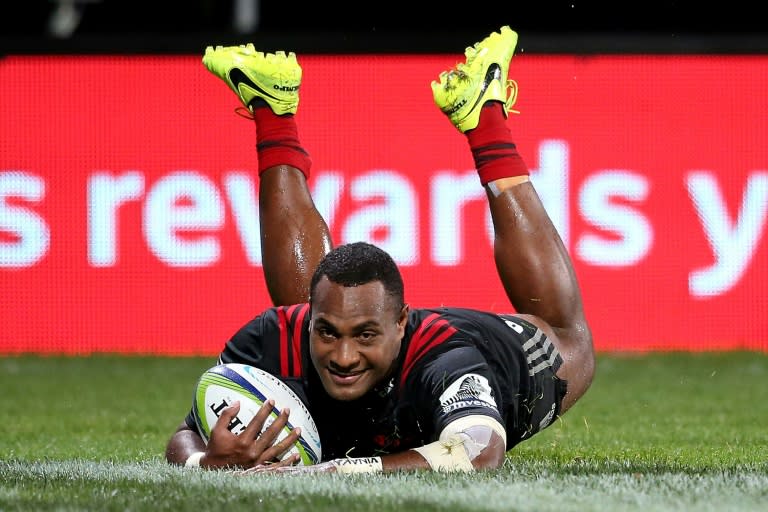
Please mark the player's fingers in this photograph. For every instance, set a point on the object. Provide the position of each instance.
(266, 467)
(272, 432)
(277, 443)
(287, 443)
(287, 465)
(286, 462)
(253, 429)
(278, 450)
(260, 468)
(226, 417)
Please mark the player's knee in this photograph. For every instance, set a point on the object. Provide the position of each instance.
(590, 365)
(589, 361)
(584, 361)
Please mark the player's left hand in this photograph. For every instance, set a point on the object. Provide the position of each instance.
(289, 466)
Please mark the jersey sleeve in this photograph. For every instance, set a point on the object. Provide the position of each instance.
(454, 383)
(190, 421)
(253, 344)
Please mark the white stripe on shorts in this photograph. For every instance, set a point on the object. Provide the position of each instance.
(542, 356)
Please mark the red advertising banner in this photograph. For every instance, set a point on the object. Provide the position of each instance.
(129, 213)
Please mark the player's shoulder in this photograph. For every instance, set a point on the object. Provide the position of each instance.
(291, 313)
(452, 340)
(272, 341)
(441, 311)
(470, 325)
(461, 318)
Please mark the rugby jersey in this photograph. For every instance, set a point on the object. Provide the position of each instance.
(453, 362)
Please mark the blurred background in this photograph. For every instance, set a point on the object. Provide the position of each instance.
(397, 26)
(128, 212)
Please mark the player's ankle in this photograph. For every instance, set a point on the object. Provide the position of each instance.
(500, 185)
(277, 142)
(493, 149)
(258, 103)
(493, 111)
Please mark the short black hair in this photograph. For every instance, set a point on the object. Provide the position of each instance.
(359, 263)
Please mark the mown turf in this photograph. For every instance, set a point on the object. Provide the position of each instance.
(655, 432)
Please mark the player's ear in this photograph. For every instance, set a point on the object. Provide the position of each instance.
(403, 317)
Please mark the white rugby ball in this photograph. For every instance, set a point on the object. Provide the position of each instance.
(224, 384)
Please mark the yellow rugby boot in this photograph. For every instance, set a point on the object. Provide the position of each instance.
(461, 92)
(273, 77)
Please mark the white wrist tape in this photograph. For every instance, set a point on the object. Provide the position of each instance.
(446, 454)
(460, 442)
(358, 465)
(193, 461)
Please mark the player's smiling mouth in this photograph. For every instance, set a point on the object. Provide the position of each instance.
(345, 378)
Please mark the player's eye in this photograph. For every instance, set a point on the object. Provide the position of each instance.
(367, 337)
(325, 333)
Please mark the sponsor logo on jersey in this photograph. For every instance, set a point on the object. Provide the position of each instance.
(514, 326)
(470, 390)
(546, 420)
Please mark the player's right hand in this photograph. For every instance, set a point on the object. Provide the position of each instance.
(252, 447)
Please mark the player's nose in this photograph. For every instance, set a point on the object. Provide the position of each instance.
(345, 358)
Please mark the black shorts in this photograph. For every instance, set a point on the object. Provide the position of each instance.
(543, 403)
(547, 408)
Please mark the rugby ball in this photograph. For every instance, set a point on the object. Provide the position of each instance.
(224, 384)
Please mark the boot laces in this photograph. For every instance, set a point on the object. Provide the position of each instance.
(511, 97)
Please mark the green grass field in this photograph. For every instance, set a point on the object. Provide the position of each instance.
(656, 432)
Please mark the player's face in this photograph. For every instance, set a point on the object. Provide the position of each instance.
(355, 336)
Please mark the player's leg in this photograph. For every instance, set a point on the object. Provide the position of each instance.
(532, 262)
(294, 236)
(538, 277)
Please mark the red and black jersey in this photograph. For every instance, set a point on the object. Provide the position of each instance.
(453, 362)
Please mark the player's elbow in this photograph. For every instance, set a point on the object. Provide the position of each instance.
(179, 444)
(492, 455)
(474, 442)
(586, 354)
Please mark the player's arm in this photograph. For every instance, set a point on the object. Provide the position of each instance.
(470, 443)
(227, 450)
(184, 443)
